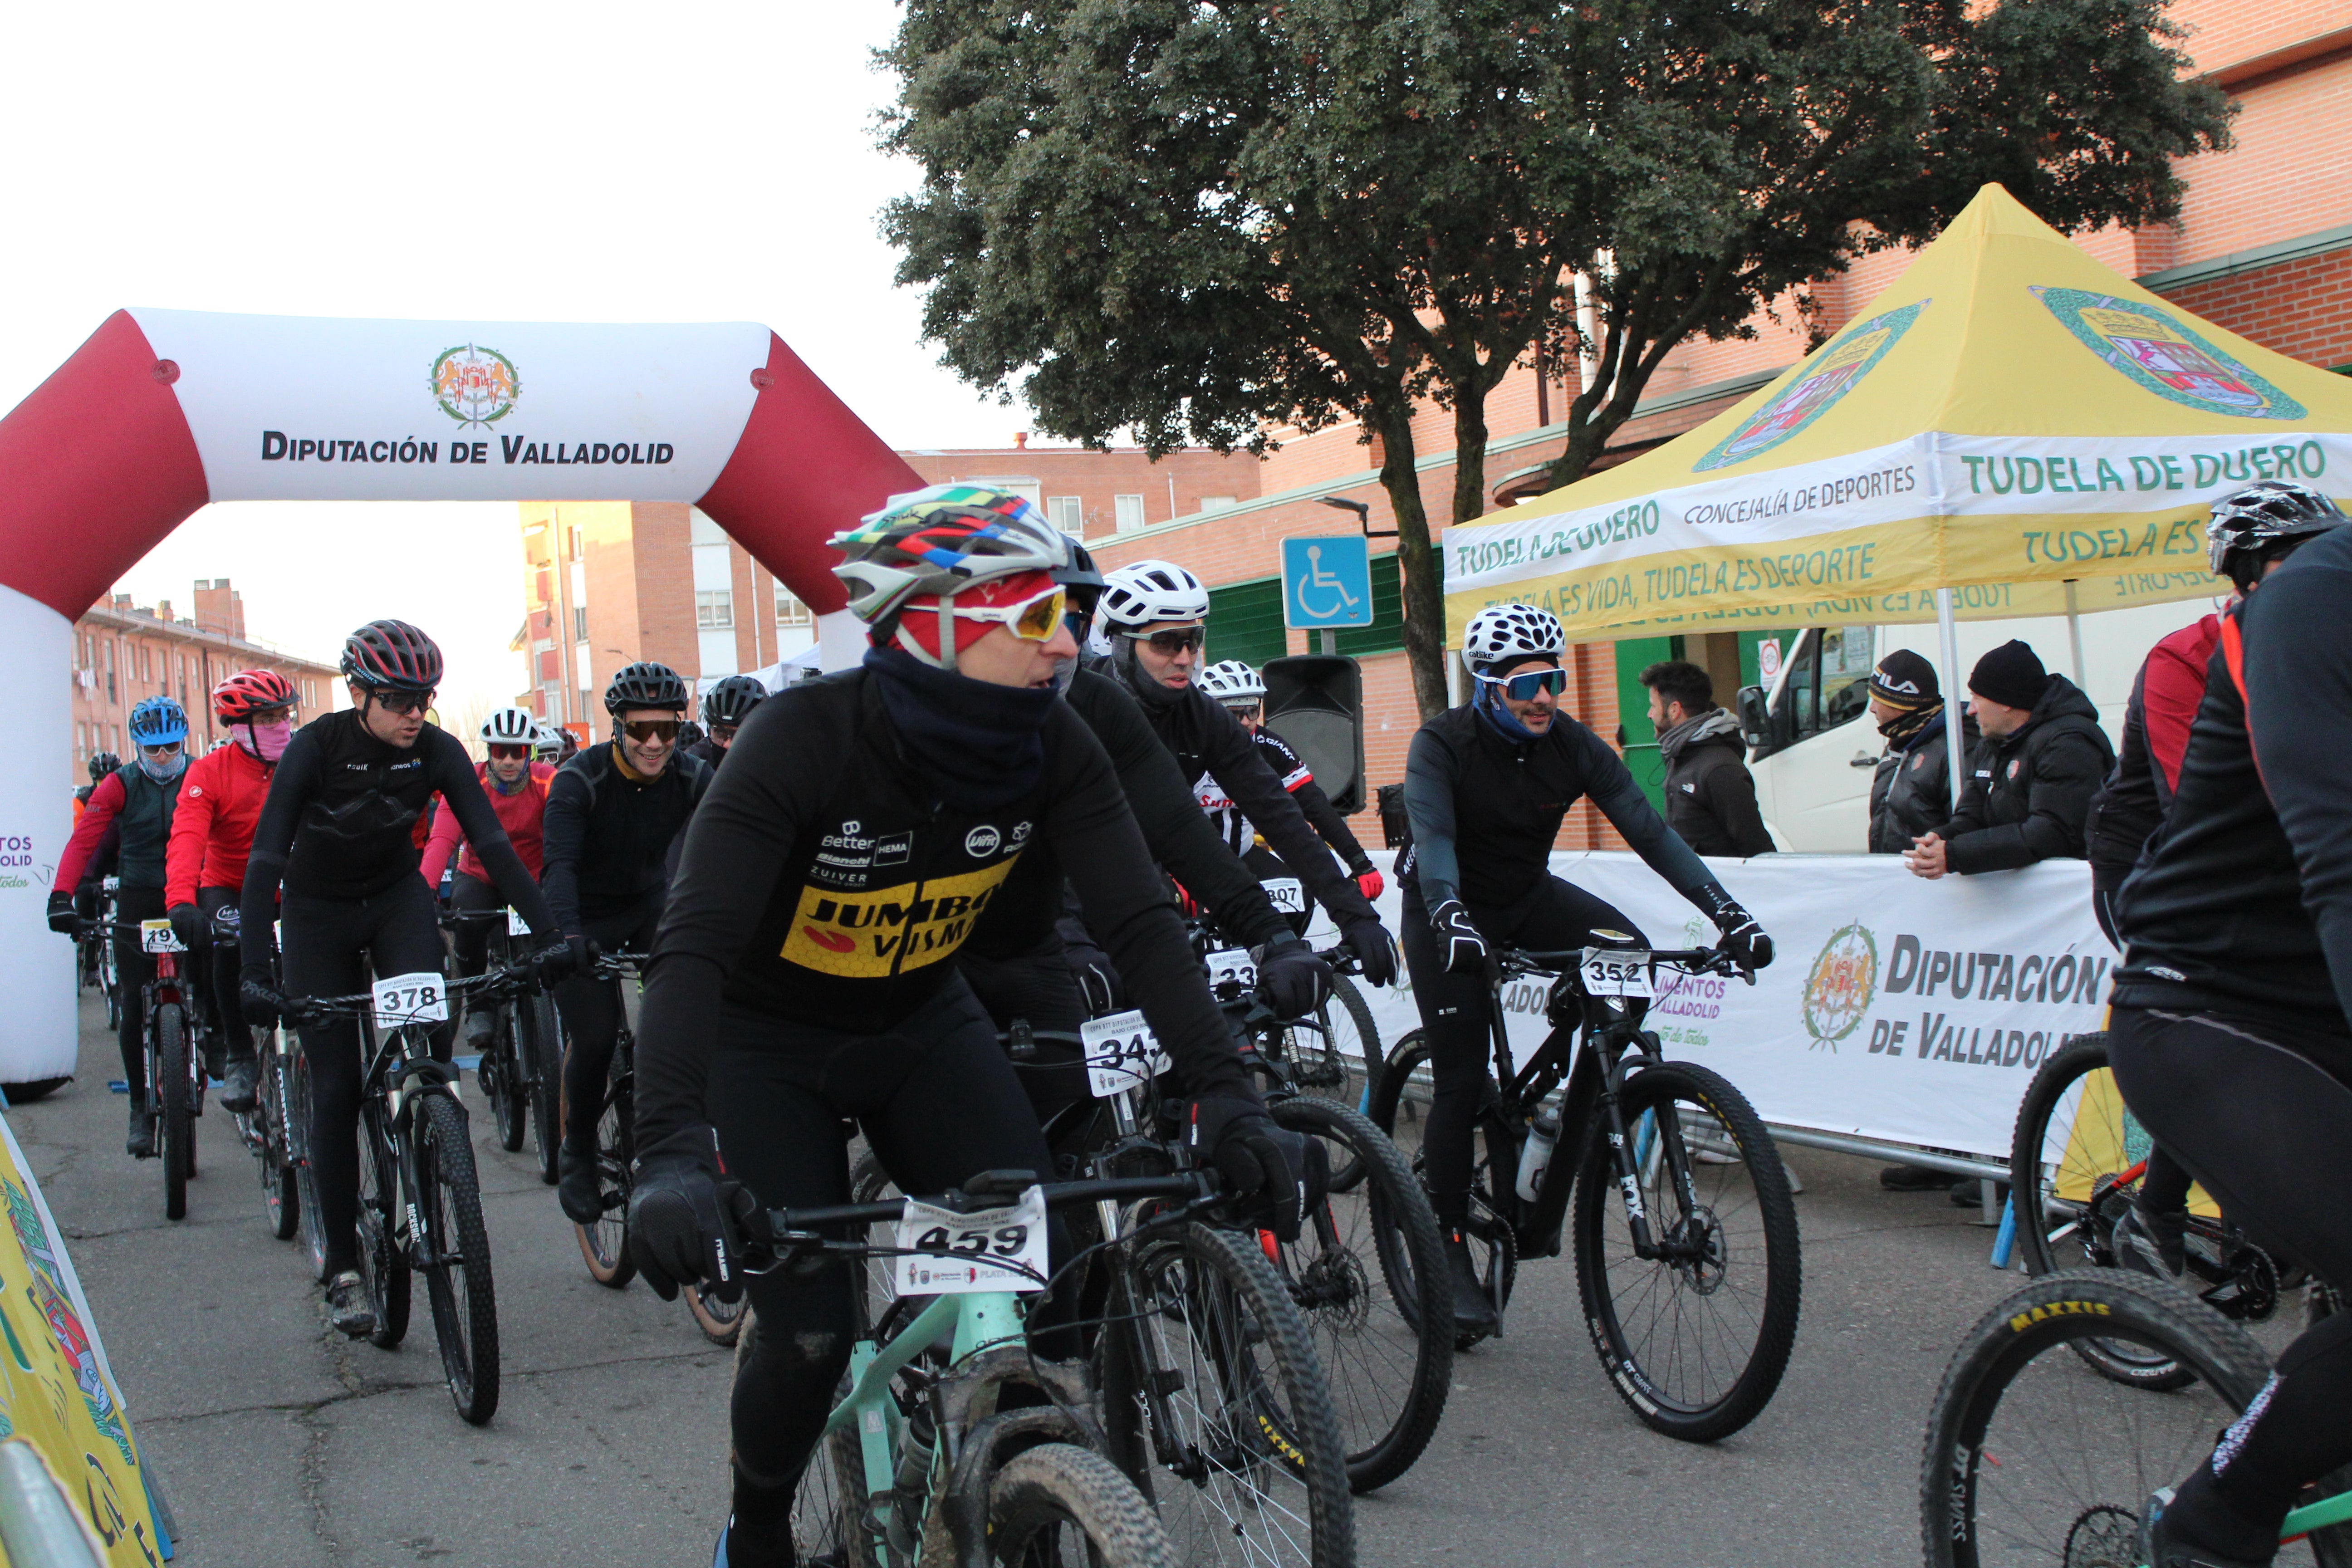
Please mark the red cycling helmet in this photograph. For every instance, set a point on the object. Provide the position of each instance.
(392, 656)
(250, 691)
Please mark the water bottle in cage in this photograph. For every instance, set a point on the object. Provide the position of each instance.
(1543, 1137)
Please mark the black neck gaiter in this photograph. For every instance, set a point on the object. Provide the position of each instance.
(977, 742)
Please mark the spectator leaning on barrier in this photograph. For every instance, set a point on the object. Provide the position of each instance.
(1710, 798)
(1911, 793)
(2031, 777)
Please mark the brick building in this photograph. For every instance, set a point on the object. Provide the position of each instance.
(125, 654)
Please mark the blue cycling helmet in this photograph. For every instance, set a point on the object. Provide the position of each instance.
(158, 721)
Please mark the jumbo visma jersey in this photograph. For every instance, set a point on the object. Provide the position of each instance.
(865, 910)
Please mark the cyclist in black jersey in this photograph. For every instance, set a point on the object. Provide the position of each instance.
(1152, 617)
(613, 814)
(871, 823)
(2229, 1033)
(724, 708)
(1485, 788)
(338, 830)
(1242, 691)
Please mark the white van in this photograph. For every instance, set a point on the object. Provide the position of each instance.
(1812, 748)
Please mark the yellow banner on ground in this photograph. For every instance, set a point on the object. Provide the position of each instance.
(2007, 412)
(55, 1389)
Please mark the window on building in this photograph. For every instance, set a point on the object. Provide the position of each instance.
(1245, 621)
(790, 611)
(578, 623)
(714, 609)
(1066, 513)
(1215, 503)
(1129, 513)
(587, 703)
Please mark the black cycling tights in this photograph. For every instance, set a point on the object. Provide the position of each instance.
(591, 1018)
(133, 967)
(1453, 1014)
(938, 1102)
(329, 946)
(2261, 1117)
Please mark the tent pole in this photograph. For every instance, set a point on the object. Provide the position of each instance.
(1956, 694)
(2075, 631)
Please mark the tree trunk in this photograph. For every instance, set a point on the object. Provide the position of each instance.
(1425, 590)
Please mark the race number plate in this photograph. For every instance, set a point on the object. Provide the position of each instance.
(990, 1250)
(155, 936)
(1614, 972)
(415, 998)
(1121, 1054)
(1285, 894)
(1232, 966)
(516, 924)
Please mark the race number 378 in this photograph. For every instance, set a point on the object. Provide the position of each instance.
(416, 998)
(951, 1254)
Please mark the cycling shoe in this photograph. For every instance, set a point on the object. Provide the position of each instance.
(141, 1143)
(577, 1187)
(2151, 1244)
(1474, 1310)
(2158, 1549)
(347, 1305)
(237, 1083)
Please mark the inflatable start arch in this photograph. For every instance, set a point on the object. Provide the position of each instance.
(162, 411)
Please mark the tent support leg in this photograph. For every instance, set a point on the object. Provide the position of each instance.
(1956, 691)
(2075, 631)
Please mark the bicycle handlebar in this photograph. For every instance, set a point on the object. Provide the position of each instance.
(1511, 962)
(319, 1009)
(773, 1235)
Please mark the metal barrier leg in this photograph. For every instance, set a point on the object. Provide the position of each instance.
(2004, 1241)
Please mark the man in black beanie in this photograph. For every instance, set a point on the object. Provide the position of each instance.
(1911, 793)
(2031, 777)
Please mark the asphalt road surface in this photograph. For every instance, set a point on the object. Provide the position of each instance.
(279, 1443)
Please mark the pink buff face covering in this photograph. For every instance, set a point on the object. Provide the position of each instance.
(269, 741)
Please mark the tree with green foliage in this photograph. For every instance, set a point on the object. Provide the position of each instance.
(1199, 219)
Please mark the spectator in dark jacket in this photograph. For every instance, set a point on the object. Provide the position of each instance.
(2031, 778)
(1710, 798)
(1911, 793)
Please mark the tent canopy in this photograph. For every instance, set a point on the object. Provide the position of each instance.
(2009, 419)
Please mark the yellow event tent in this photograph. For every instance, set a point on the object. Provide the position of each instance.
(2011, 421)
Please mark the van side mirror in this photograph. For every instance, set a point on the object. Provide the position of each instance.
(1755, 721)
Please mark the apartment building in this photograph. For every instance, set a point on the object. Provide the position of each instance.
(125, 653)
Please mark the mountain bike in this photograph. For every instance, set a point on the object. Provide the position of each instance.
(175, 1078)
(1684, 1233)
(2033, 1457)
(2079, 1151)
(606, 1243)
(957, 1441)
(96, 957)
(277, 1131)
(420, 1206)
(520, 1070)
(1334, 1054)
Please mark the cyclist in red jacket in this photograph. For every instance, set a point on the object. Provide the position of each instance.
(516, 787)
(204, 865)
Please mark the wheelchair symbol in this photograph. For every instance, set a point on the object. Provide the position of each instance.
(1318, 579)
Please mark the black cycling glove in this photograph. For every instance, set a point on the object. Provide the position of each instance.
(1290, 979)
(1375, 950)
(1743, 939)
(62, 919)
(188, 925)
(257, 999)
(686, 1219)
(559, 960)
(1270, 1169)
(1463, 949)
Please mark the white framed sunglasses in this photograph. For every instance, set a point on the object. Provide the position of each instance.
(1523, 687)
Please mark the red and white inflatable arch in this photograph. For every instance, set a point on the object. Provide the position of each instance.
(162, 411)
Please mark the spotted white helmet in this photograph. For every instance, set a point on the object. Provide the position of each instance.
(1511, 631)
(1233, 682)
(510, 726)
(1144, 592)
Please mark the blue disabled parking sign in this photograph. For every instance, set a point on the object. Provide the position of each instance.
(1326, 583)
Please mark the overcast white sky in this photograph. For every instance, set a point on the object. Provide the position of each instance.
(539, 161)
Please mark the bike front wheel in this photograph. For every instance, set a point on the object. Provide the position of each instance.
(383, 1264)
(2033, 1457)
(280, 1186)
(457, 1259)
(539, 1042)
(605, 1244)
(1695, 1335)
(502, 1082)
(1060, 1504)
(172, 1068)
(306, 1179)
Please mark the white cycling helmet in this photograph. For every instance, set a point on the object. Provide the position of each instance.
(510, 726)
(546, 743)
(1511, 631)
(1234, 683)
(1144, 591)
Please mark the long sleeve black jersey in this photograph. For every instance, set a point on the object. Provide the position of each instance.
(339, 822)
(2246, 909)
(1485, 811)
(821, 881)
(607, 834)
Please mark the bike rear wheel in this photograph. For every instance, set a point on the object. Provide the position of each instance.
(383, 1264)
(297, 1145)
(173, 1067)
(1355, 1273)
(605, 1244)
(280, 1190)
(1218, 1408)
(502, 1081)
(458, 1247)
(2031, 1457)
(1695, 1341)
(539, 1044)
(721, 1322)
(829, 1502)
(1060, 1504)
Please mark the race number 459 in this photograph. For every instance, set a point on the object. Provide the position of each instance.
(416, 998)
(951, 1254)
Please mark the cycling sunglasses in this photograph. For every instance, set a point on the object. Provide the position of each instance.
(1034, 619)
(1523, 687)
(722, 732)
(508, 753)
(165, 749)
(403, 701)
(647, 729)
(1173, 641)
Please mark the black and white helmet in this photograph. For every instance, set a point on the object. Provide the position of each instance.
(1144, 591)
(510, 727)
(2246, 523)
(1502, 632)
(1232, 683)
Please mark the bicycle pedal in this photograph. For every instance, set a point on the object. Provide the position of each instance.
(1165, 1383)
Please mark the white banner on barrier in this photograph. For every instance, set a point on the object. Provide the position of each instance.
(1899, 1009)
